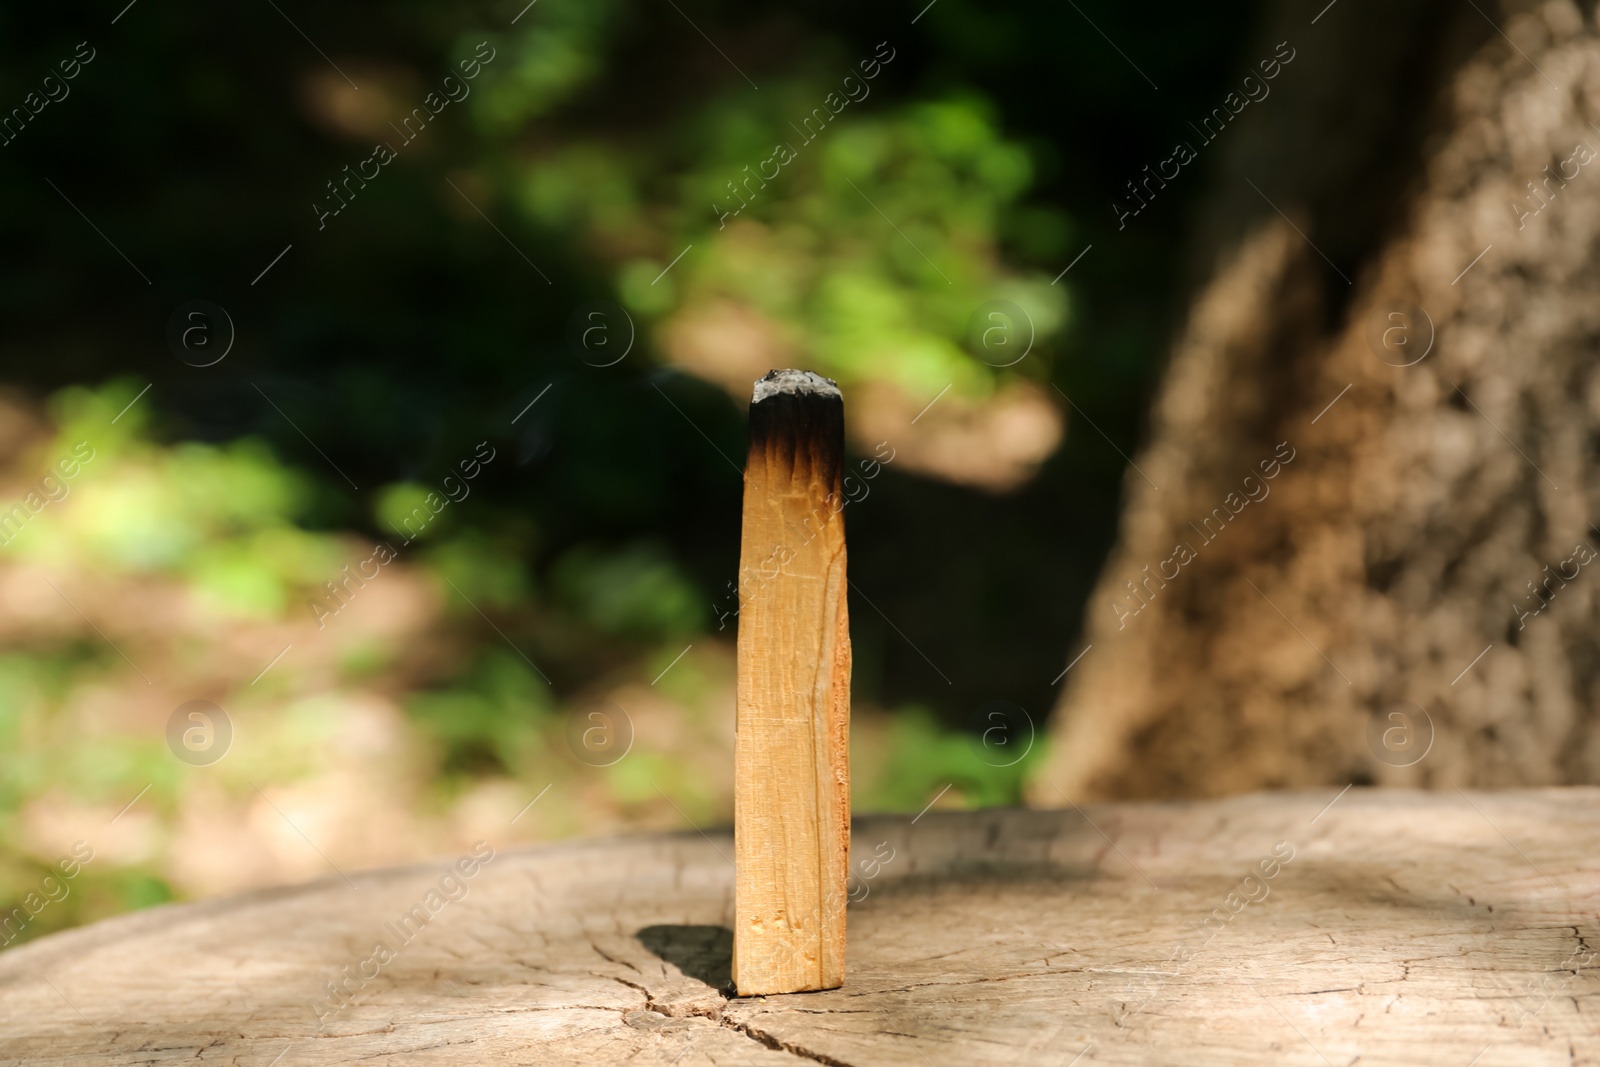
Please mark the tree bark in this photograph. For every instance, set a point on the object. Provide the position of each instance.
(1367, 615)
(1389, 927)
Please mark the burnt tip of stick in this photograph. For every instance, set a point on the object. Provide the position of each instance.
(794, 383)
(797, 419)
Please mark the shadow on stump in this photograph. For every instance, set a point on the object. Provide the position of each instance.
(702, 952)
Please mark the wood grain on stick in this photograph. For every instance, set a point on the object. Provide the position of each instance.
(792, 785)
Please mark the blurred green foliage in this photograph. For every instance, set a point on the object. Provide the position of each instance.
(222, 516)
(482, 723)
(432, 314)
(924, 757)
(638, 592)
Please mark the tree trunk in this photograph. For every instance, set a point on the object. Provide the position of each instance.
(1368, 613)
(1389, 927)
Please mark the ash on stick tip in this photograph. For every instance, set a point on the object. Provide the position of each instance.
(794, 383)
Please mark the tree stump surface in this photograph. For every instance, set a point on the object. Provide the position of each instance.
(1387, 928)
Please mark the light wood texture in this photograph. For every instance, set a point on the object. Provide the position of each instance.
(792, 777)
(1408, 929)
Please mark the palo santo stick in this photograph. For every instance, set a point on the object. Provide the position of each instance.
(791, 808)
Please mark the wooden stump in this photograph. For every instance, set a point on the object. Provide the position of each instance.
(1389, 928)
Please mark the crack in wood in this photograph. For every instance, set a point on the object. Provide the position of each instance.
(773, 1042)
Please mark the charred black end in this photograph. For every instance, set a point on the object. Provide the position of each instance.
(797, 421)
